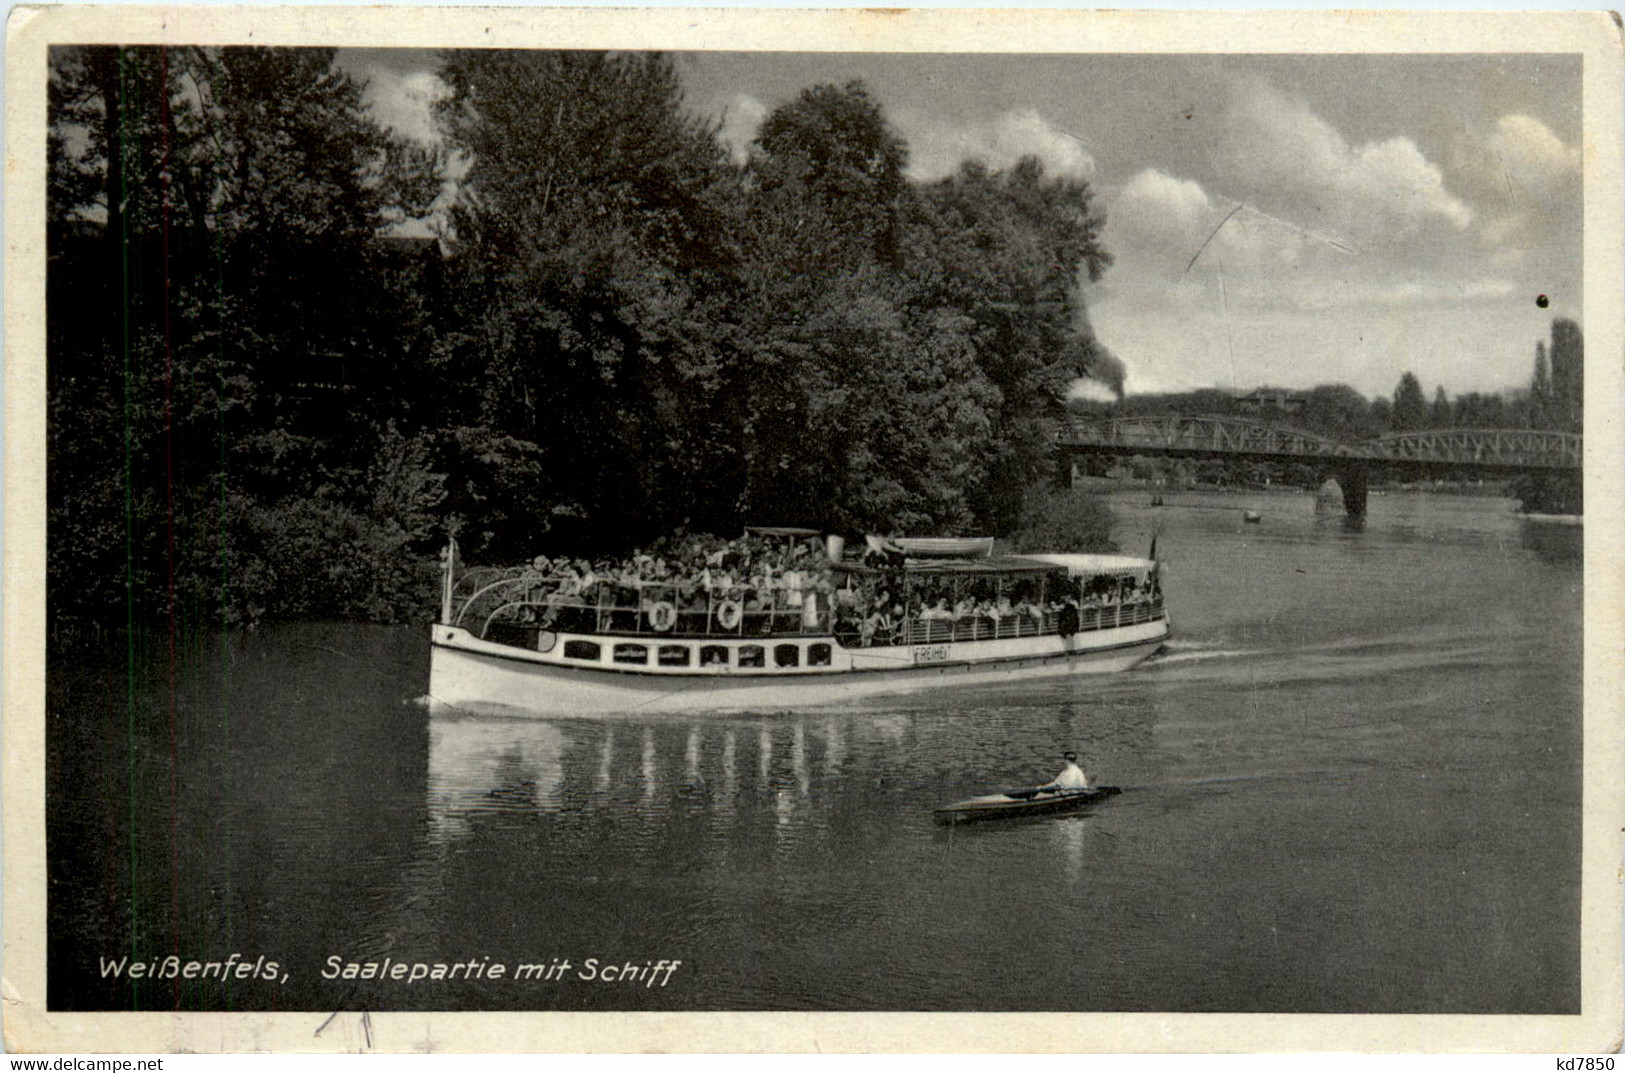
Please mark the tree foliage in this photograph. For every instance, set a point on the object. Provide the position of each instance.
(1410, 405)
(1567, 375)
(213, 265)
(1557, 401)
(617, 331)
(588, 324)
(811, 338)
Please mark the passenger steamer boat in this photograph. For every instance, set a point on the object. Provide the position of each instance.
(814, 627)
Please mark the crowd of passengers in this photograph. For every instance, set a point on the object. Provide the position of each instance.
(880, 610)
(750, 569)
(761, 585)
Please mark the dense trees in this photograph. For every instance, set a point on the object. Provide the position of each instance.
(1338, 412)
(582, 350)
(1410, 405)
(1568, 375)
(263, 405)
(212, 268)
(671, 340)
(1556, 401)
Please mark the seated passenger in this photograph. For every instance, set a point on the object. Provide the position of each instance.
(1072, 776)
(876, 629)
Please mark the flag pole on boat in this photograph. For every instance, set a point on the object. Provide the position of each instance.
(448, 579)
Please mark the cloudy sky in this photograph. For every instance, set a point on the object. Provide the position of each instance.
(1379, 213)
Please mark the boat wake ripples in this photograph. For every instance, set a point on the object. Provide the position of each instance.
(1195, 651)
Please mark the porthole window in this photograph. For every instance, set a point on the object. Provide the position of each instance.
(818, 655)
(675, 655)
(752, 656)
(632, 654)
(786, 655)
(714, 656)
(580, 650)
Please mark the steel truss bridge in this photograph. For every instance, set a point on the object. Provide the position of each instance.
(1458, 452)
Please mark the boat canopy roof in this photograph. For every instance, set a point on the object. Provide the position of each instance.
(781, 531)
(1073, 565)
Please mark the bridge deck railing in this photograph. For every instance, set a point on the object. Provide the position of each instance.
(1523, 448)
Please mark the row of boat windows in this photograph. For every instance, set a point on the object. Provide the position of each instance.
(639, 655)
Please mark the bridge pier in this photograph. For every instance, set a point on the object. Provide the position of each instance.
(1354, 479)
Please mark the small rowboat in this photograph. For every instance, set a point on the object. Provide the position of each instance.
(945, 547)
(1029, 802)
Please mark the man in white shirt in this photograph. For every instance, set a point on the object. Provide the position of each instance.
(1072, 776)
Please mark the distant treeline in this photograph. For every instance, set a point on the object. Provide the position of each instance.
(1554, 399)
(261, 406)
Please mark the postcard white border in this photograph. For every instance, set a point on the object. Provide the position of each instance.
(28, 1027)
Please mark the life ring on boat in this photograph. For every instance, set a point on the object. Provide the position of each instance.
(662, 616)
(729, 614)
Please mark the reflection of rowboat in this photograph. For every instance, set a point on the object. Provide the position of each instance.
(1029, 802)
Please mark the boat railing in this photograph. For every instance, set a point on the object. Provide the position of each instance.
(486, 597)
(917, 631)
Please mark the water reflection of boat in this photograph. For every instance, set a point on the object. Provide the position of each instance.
(479, 766)
(1033, 801)
(528, 640)
(650, 777)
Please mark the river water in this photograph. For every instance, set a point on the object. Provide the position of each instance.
(1352, 783)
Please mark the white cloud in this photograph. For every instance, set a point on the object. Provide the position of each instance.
(1276, 143)
(740, 122)
(1154, 203)
(1526, 182)
(404, 100)
(1352, 293)
(938, 145)
(1155, 213)
(1532, 156)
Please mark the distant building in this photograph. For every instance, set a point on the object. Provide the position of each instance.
(1266, 399)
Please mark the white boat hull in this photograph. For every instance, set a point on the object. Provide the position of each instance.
(471, 674)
